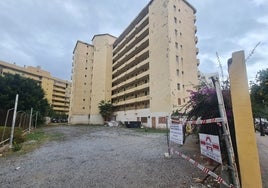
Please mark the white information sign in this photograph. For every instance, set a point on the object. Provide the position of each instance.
(176, 133)
(210, 147)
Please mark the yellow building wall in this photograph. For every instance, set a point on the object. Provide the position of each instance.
(47, 85)
(173, 54)
(81, 83)
(102, 74)
(159, 57)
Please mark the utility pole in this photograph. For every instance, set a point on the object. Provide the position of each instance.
(226, 133)
(13, 120)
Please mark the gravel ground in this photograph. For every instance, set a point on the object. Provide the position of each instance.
(100, 157)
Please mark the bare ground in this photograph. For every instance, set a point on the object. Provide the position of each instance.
(87, 156)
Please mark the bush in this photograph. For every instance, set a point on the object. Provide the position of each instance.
(16, 147)
(17, 137)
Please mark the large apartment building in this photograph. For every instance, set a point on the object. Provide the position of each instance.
(57, 91)
(148, 68)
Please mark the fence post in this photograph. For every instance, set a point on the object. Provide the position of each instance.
(30, 121)
(14, 120)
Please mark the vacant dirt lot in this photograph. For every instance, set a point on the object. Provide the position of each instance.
(100, 157)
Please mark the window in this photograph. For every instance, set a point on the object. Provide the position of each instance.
(146, 105)
(175, 20)
(178, 86)
(177, 58)
(162, 120)
(85, 75)
(174, 6)
(176, 45)
(176, 32)
(84, 99)
(144, 119)
(179, 101)
(178, 72)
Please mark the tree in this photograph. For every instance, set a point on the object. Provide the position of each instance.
(259, 95)
(31, 95)
(106, 109)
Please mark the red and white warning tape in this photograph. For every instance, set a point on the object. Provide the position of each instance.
(204, 169)
(198, 122)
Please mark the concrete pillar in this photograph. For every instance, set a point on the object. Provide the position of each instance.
(245, 136)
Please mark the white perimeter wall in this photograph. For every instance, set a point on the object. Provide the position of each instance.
(79, 119)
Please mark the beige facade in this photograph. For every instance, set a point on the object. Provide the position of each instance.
(91, 79)
(153, 64)
(57, 91)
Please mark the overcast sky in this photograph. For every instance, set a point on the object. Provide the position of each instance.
(44, 33)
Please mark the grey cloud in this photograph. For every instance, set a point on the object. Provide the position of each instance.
(45, 32)
(227, 27)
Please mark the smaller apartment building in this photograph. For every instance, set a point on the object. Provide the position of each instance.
(91, 79)
(57, 91)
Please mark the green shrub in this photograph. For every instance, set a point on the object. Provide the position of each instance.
(16, 147)
(17, 137)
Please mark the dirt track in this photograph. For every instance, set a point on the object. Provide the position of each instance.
(100, 157)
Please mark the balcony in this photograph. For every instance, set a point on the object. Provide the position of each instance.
(133, 100)
(131, 53)
(132, 90)
(141, 24)
(135, 40)
(60, 84)
(59, 94)
(59, 89)
(137, 61)
(133, 79)
(132, 70)
(59, 99)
